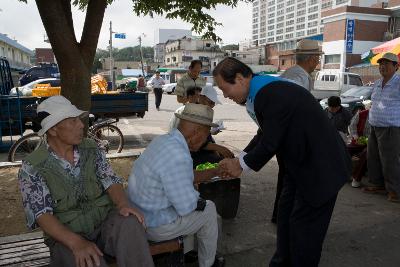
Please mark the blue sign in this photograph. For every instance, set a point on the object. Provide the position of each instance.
(120, 35)
(349, 35)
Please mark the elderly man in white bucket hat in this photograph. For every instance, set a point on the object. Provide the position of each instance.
(161, 185)
(308, 54)
(70, 191)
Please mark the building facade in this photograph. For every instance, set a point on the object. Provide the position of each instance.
(18, 55)
(352, 31)
(179, 53)
(161, 36)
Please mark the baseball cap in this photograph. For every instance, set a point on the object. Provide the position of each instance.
(389, 56)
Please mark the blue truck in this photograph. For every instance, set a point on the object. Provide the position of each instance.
(18, 113)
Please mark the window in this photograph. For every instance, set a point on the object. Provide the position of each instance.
(332, 59)
(290, 16)
(290, 2)
(312, 23)
(300, 34)
(255, 3)
(270, 40)
(282, 62)
(313, 9)
(270, 28)
(300, 20)
(280, 19)
(271, 21)
(290, 9)
(289, 36)
(270, 33)
(312, 31)
(262, 41)
(271, 15)
(280, 6)
(313, 16)
(255, 37)
(255, 26)
(300, 26)
(355, 80)
(301, 5)
(168, 60)
(301, 12)
(279, 38)
(339, 2)
(255, 31)
(279, 25)
(289, 29)
(327, 5)
(271, 9)
(280, 31)
(313, 2)
(290, 22)
(255, 20)
(280, 12)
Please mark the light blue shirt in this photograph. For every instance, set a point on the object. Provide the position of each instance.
(385, 109)
(161, 180)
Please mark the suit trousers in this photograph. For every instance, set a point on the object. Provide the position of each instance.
(119, 237)
(301, 228)
(384, 157)
(158, 96)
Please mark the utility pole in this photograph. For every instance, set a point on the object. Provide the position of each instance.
(111, 60)
(141, 53)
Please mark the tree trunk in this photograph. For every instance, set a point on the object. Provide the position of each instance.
(74, 59)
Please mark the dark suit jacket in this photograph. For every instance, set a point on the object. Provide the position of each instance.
(293, 123)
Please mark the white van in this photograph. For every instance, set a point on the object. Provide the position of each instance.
(333, 83)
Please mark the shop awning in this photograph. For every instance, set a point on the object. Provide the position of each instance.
(395, 50)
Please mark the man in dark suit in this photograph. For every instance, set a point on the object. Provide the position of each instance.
(316, 162)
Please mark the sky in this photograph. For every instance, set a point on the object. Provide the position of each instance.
(22, 22)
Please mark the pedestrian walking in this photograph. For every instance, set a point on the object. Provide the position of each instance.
(157, 84)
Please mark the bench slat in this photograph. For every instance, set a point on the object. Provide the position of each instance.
(21, 243)
(22, 237)
(6, 253)
(35, 263)
(26, 258)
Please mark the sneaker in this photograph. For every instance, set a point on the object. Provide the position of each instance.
(355, 184)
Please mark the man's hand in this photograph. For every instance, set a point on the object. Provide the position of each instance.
(86, 253)
(231, 167)
(126, 211)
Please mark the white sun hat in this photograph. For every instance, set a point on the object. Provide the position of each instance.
(210, 92)
(57, 108)
(197, 113)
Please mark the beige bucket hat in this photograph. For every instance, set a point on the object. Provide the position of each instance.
(197, 113)
(308, 47)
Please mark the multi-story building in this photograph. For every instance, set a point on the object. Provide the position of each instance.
(285, 20)
(179, 53)
(161, 36)
(18, 55)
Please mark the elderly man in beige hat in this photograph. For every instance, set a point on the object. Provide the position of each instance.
(307, 59)
(161, 185)
(384, 138)
(70, 191)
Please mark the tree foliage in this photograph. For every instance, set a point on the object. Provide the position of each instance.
(76, 57)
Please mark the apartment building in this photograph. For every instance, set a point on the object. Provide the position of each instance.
(18, 55)
(179, 53)
(284, 20)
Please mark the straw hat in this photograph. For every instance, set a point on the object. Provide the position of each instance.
(197, 113)
(308, 47)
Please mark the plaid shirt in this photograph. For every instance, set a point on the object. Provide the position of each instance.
(36, 197)
(161, 181)
(385, 109)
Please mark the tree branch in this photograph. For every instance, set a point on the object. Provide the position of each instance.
(91, 30)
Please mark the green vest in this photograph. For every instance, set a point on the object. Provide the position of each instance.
(79, 203)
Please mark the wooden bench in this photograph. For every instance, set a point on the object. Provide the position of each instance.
(29, 250)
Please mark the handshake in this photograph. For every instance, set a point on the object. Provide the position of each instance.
(229, 168)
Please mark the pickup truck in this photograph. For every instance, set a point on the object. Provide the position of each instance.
(333, 83)
(18, 113)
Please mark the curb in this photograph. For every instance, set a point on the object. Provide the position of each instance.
(129, 154)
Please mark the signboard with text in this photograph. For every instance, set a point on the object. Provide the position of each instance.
(349, 35)
(120, 35)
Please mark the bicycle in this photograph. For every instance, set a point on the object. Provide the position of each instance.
(107, 135)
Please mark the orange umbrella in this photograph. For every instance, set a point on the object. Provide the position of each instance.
(395, 50)
(386, 47)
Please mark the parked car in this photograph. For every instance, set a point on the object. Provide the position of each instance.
(332, 82)
(26, 90)
(352, 99)
(44, 70)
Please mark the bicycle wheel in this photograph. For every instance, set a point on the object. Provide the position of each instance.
(24, 146)
(112, 135)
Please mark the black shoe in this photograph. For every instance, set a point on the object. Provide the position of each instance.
(219, 261)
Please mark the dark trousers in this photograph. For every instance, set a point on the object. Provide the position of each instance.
(301, 228)
(279, 187)
(119, 237)
(158, 95)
